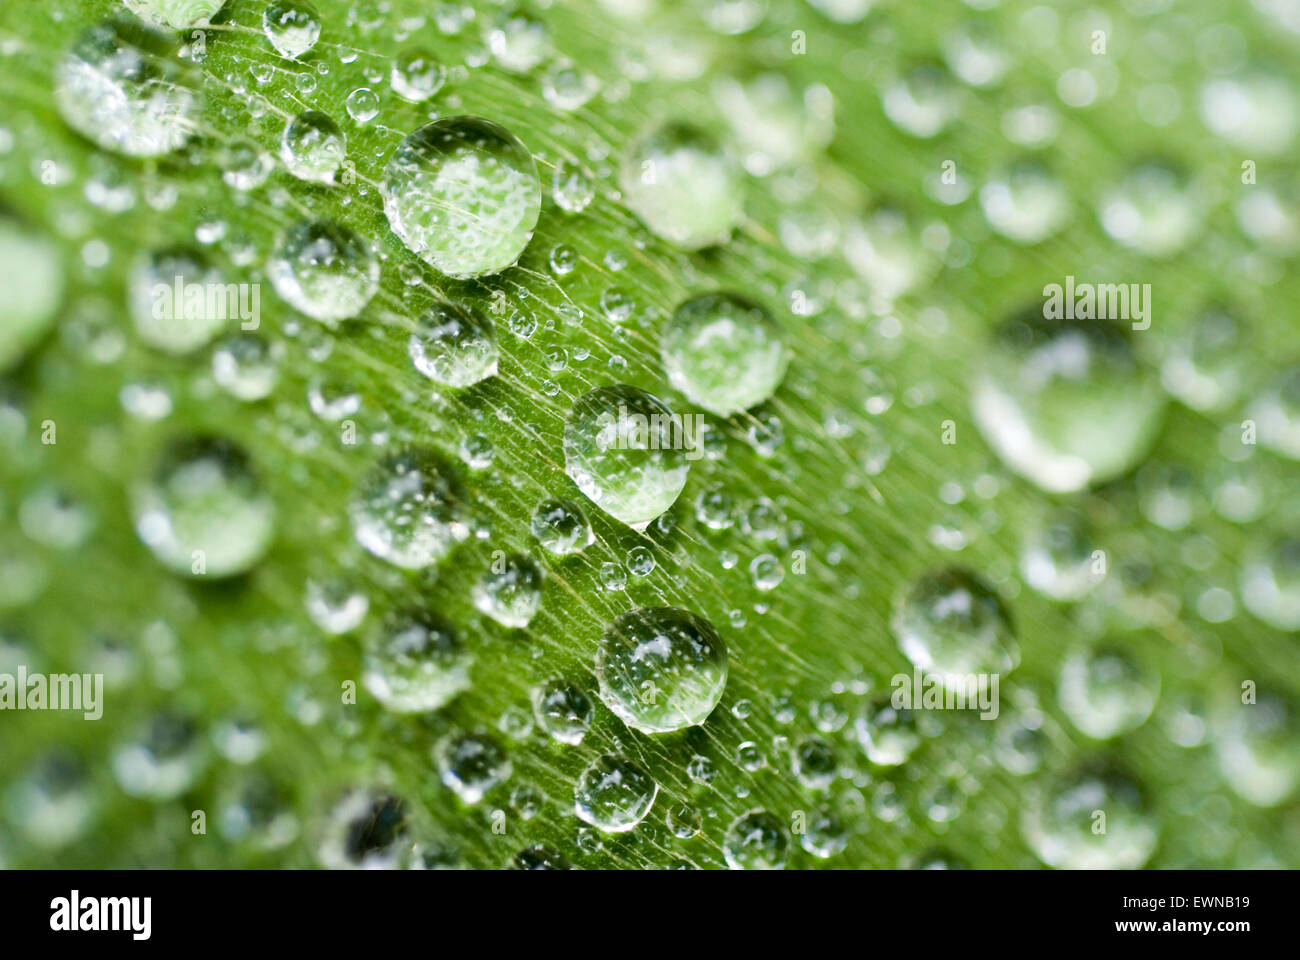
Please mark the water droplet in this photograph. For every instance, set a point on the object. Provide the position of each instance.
(1061, 823)
(1153, 211)
(661, 669)
(1256, 748)
(773, 125)
(1255, 111)
(539, 857)
(1105, 693)
(417, 75)
(923, 102)
(121, 87)
(179, 300)
(1026, 204)
(1276, 412)
(888, 736)
(756, 841)
(681, 183)
(815, 763)
(471, 764)
(950, 622)
(614, 794)
(292, 26)
(409, 509)
(365, 830)
(414, 663)
(52, 803)
(561, 527)
(246, 367)
(177, 14)
(313, 147)
(519, 42)
(204, 512)
(510, 592)
(1057, 558)
(362, 104)
(244, 165)
(766, 572)
(1206, 368)
(562, 710)
(1270, 582)
(163, 761)
(1065, 403)
(571, 189)
(335, 605)
(568, 87)
(454, 345)
(889, 253)
(724, 352)
(824, 835)
(623, 447)
(463, 193)
(32, 278)
(324, 270)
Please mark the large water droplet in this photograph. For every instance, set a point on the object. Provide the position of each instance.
(416, 75)
(1257, 746)
(1270, 582)
(1206, 367)
(179, 300)
(1065, 403)
(756, 841)
(163, 761)
(950, 622)
(365, 830)
(324, 270)
(625, 449)
(561, 527)
(292, 26)
(471, 764)
(1105, 693)
(204, 512)
(313, 147)
(414, 663)
(121, 87)
(463, 193)
(1276, 413)
(1061, 823)
(682, 184)
(661, 669)
(519, 42)
(1153, 211)
(724, 352)
(409, 509)
(562, 710)
(1058, 557)
(614, 794)
(177, 14)
(32, 278)
(454, 345)
(1027, 204)
(510, 592)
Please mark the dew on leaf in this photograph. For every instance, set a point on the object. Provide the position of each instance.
(724, 352)
(292, 27)
(682, 184)
(614, 794)
(454, 345)
(409, 510)
(312, 147)
(204, 512)
(414, 663)
(756, 840)
(510, 590)
(661, 669)
(463, 193)
(121, 87)
(325, 270)
(562, 710)
(561, 527)
(624, 448)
